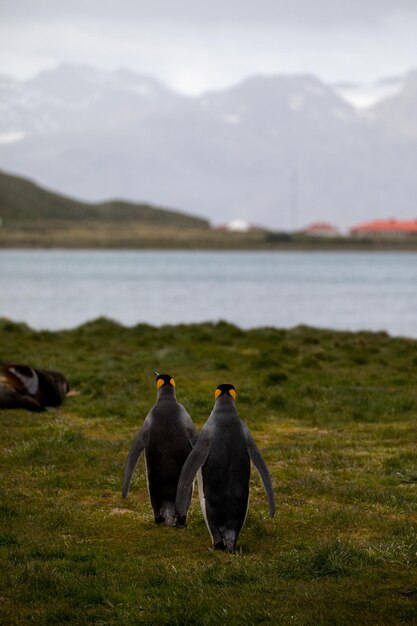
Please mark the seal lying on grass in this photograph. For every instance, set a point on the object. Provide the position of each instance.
(24, 387)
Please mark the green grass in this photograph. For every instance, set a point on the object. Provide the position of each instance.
(335, 415)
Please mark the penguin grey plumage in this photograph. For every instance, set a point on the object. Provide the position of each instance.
(24, 387)
(167, 436)
(223, 451)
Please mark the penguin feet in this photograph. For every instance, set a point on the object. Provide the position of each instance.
(166, 521)
(222, 547)
(181, 521)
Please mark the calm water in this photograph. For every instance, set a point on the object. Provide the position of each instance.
(354, 291)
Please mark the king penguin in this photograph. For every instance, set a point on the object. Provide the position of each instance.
(24, 387)
(224, 450)
(167, 436)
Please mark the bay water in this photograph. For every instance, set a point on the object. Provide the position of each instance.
(59, 289)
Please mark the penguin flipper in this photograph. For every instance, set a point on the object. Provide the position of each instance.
(195, 460)
(259, 463)
(135, 451)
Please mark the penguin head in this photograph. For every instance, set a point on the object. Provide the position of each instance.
(225, 390)
(162, 380)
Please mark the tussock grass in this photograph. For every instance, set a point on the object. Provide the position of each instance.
(335, 415)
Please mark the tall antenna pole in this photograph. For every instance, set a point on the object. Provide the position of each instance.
(294, 185)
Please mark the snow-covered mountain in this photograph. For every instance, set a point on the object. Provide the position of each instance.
(280, 150)
(399, 110)
(365, 96)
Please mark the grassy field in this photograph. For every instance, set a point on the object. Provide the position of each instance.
(126, 235)
(335, 415)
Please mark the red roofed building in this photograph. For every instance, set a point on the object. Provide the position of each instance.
(321, 229)
(386, 228)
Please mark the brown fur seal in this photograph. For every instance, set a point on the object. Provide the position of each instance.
(24, 387)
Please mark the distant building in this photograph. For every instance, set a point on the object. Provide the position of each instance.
(321, 229)
(238, 226)
(386, 228)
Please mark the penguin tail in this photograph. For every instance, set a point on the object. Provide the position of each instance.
(229, 538)
(167, 511)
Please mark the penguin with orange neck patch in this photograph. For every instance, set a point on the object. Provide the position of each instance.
(167, 436)
(223, 451)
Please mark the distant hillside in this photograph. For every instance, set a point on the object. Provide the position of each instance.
(32, 217)
(22, 202)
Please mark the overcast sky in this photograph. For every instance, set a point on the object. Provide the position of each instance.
(195, 45)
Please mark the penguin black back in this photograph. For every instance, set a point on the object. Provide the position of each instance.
(167, 436)
(223, 452)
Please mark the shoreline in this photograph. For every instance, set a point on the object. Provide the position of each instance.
(232, 246)
(133, 235)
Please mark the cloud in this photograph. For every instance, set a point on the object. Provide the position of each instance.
(195, 45)
(320, 13)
